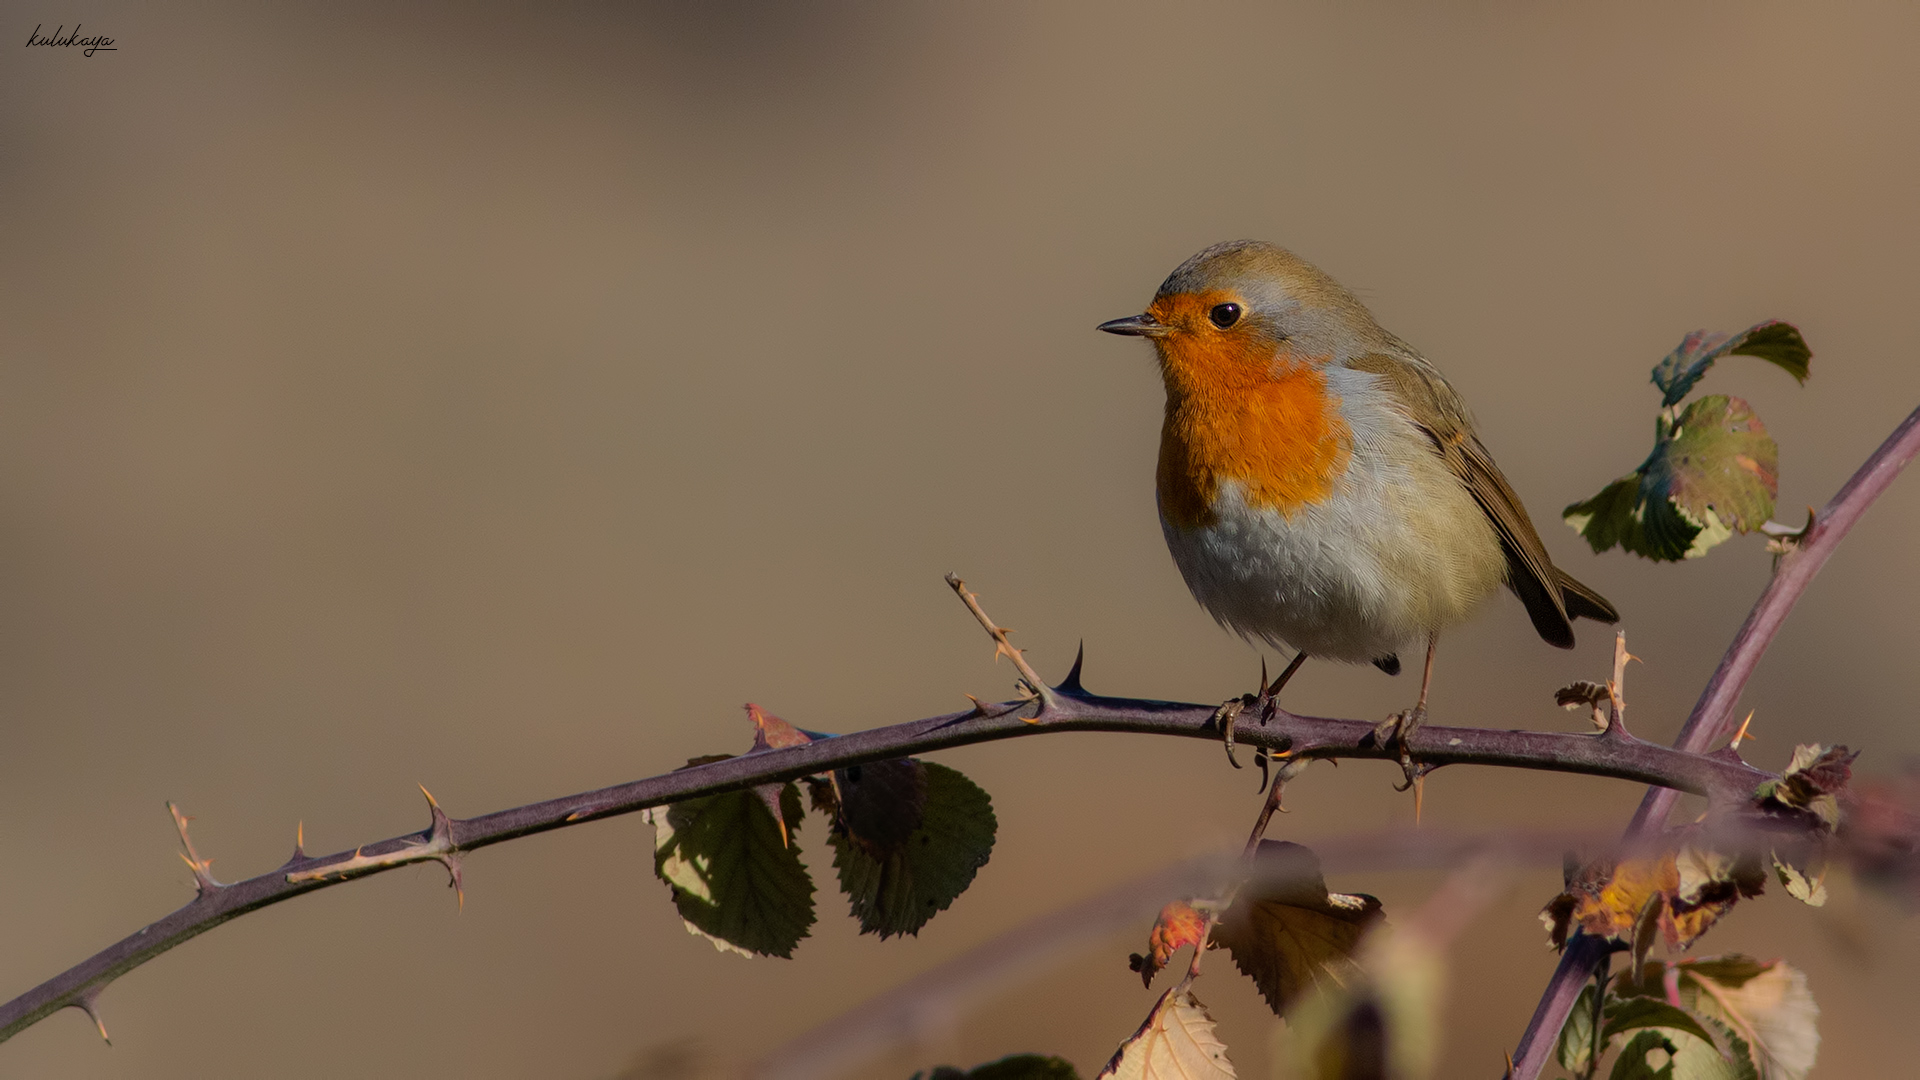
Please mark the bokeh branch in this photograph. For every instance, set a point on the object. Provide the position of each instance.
(1712, 716)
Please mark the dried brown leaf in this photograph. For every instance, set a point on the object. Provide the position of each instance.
(1176, 1042)
(1286, 931)
(1686, 891)
(1575, 694)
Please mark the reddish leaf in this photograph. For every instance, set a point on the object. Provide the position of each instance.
(772, 733)
(1177, 925)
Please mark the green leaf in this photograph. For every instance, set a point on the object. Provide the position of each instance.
(1610, 518)
(1718, 462)
(1634, 1014)
(1731, 970)
(735, 878)
(1726, 1058)
(1011, 1067)
(1775, 342)
(1576, 1038)
(1714, 471)
(1687, 1056)
(880, 804)
(898, 892)
(1632, 1063)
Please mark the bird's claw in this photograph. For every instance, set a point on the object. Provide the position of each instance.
(1395, 730)
(1224, 716)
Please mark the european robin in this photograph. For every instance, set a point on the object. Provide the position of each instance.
(1320, 484)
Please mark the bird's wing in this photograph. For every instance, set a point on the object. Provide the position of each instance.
(1548, 594)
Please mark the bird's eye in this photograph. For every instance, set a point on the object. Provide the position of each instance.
(1224, 315)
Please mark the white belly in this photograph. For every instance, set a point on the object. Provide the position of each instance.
(1370, 570)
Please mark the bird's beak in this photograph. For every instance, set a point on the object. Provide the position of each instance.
(1134, 326)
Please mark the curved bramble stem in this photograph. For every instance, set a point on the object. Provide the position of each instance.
(1301, 737)
(1712, 716)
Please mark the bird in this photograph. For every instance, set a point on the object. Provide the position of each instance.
(1321, 485)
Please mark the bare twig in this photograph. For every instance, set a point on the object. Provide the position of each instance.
(1036, 687)
(1617, 686)
(202, 868)
(1712, 715)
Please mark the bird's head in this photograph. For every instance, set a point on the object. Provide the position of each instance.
(1247, 311)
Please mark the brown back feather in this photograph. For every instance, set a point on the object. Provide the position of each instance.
(1551, 597)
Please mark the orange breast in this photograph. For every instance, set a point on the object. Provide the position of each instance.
(1234, 413)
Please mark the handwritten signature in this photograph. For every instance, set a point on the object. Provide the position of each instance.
(89, 45)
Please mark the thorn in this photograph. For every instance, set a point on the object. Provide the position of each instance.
(455, 880)
(300, 840)
(1419, 797)
(1509, 1057)
(770, 796)
(442, 835)
(988, 712)
(1743, 734)
(1071, 684)
(85, 1003)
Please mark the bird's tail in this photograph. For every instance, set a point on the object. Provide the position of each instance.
(1582, 602)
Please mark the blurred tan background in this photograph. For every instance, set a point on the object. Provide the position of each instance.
(495, 399)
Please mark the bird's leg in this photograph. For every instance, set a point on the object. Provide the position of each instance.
(1262, 702)
(1401, 725)
(1269, 697)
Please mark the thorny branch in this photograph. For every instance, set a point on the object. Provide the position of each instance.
(1712, 717)
(1720, 779)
